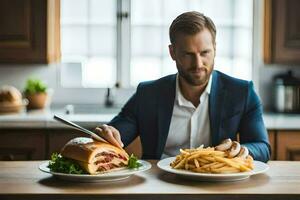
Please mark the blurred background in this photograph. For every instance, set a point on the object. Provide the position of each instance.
(94, 44)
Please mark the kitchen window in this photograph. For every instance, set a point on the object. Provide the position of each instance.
(126, 41)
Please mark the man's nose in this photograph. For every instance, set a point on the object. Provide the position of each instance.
(198, 61)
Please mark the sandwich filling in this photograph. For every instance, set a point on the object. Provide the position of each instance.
(108, 160)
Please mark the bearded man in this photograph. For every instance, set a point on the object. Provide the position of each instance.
(198, 105)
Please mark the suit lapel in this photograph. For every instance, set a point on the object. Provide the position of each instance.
(165, 110)
(216, 102)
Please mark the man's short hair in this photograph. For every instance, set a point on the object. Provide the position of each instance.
(191, 23)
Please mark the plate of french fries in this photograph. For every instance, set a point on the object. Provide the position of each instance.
(209, 164)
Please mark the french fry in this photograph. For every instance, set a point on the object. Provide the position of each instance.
(209, 165)
(228, 162)
(225, 170)
(203, 161)
(180, 164)
(217, 166)
(196, 163)
(209, 160)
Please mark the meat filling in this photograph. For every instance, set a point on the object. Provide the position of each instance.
(109, 160)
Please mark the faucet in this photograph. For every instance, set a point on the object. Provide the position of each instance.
(109, 99)
(69, 109)
(110, 95)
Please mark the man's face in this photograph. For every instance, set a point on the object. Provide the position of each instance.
(194, 56)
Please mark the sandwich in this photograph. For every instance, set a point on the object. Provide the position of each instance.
(94, 157)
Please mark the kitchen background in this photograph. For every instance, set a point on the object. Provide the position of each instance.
(125, 41)
(231, 13)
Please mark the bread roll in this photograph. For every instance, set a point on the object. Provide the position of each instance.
(10, 95)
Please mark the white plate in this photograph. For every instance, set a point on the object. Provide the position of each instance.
(109, 176)
(259, 167)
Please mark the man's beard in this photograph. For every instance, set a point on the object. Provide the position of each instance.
(191, 79)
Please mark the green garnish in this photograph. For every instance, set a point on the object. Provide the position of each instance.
(133, 162)
(34, 86)
(64, 165)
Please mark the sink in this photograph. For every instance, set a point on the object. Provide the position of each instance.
(73, 109)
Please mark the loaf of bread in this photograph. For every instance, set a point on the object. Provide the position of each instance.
(10, 95)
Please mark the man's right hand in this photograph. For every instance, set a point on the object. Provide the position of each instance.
(111, 134)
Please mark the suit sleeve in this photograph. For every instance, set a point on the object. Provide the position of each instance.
(126, 121)
(253, 133)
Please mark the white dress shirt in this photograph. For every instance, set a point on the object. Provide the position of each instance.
(190, 125)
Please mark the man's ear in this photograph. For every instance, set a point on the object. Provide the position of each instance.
(172, 51)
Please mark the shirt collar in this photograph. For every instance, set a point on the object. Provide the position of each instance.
(183, 101)
(208, 87)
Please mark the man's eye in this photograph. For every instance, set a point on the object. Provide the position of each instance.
(187, 54)
(205, 53)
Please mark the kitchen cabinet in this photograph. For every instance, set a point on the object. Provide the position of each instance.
(281, 31)
(22, 144)
(57, 138)
(29, 31)
(40, 143)
(288, 145)
(271, 134)
(285, 145)
(287, 149)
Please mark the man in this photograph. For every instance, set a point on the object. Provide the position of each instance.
(198, 105)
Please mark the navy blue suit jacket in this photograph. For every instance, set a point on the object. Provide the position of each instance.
(234, 108)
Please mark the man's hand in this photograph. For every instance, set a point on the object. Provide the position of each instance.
(111, 134)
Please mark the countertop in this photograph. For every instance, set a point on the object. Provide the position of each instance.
(44, 119)
(23, 180)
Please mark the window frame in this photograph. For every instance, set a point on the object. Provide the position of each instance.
(123, 45)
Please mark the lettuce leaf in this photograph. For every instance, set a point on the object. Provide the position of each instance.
(133, 162)
(64, 165)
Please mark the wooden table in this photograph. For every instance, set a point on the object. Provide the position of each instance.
(23, 180)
